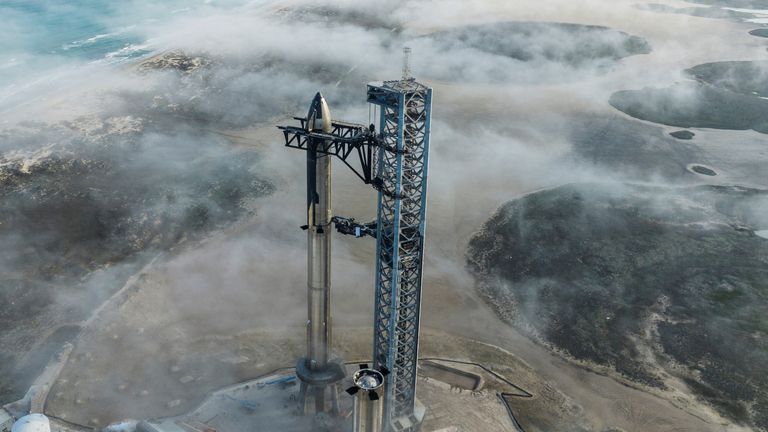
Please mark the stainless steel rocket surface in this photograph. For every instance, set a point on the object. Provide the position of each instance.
(319, 214)
(369, 406)
(319, 373)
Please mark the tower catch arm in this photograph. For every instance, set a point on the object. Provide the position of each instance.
(344, 140)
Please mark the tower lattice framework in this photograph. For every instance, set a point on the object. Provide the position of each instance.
(401, 167)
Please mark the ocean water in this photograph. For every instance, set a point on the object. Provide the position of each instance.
(36, 35)
(42, 41)
(91, 29)
(82, 29)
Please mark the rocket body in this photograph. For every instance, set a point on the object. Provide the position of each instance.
(318, 373)
(319, 214)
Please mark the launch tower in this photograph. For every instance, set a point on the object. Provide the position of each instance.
(401, 178)
(395, 162)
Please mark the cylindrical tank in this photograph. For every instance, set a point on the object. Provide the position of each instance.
(32, 423)
(319, 215)
(318, 372)
(369, 406)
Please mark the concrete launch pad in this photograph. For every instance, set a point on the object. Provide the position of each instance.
(458, 395)
(464, 384)
(269, 401)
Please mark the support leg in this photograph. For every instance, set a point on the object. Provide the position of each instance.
(302, 401)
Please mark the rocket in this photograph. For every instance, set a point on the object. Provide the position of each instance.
(319, 214)
(318, 373)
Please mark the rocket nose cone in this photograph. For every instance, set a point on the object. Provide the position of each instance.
(319, 116)
(316, 106)
(317, 103)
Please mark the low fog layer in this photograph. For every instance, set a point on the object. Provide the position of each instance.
(146, 137)
(749, 4)
(744, 77)
(706, 12)
(522, 52)
(104, 200)
(653, 282)
(727, 95)
(144, 162)
(639, 151)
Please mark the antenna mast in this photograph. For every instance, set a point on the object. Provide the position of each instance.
(406, 64)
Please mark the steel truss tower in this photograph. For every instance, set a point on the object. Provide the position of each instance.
(401, 173)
